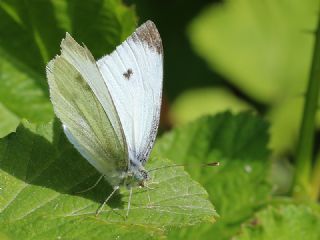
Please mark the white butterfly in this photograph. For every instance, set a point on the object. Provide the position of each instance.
(110, 109)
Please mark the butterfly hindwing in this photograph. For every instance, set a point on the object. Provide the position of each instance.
(93, 131)
(82, 59)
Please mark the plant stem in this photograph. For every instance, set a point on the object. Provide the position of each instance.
(315, 180)
(302, 187)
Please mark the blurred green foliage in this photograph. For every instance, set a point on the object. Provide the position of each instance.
(289, 222)
(231, 55)
(264, 49)
(205, 101)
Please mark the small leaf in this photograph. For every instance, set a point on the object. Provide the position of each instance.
(239, 185)
(40, 173)
(284, 222)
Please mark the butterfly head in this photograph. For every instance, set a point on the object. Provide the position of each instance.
(137, 177)
(142, 175)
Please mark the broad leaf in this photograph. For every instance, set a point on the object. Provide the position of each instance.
(32, 34)
(239, 185)
(40, 173)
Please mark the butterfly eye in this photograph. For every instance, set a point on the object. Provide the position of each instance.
(144, 174)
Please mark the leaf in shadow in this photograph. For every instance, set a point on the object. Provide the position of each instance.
(101, 24)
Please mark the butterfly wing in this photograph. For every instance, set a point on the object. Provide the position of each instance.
(133, 74)
(83, 103)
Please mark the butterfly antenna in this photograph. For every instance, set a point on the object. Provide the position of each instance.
(174, 165)
(129, 202)
(212, 164)
(105, 201)
(93, 186)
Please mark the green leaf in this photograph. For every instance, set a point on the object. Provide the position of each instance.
(109, 24)
(40, 173)
(21, 97)
(34, 30)
(239, 185)
(264, 49)
(8, 121)
(285, 222)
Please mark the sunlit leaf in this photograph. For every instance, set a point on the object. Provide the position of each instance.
(239, 185)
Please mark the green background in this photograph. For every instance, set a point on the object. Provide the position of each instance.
(235, 80)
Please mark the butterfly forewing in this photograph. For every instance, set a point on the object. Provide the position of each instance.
(84, 118)
(133, 74)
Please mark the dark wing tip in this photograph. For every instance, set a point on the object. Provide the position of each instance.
(149, 34)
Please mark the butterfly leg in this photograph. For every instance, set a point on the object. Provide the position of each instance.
(149, 199)
(129, 202)
(108, 198)
(94, 185)
(153, 182)
(150, 188)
